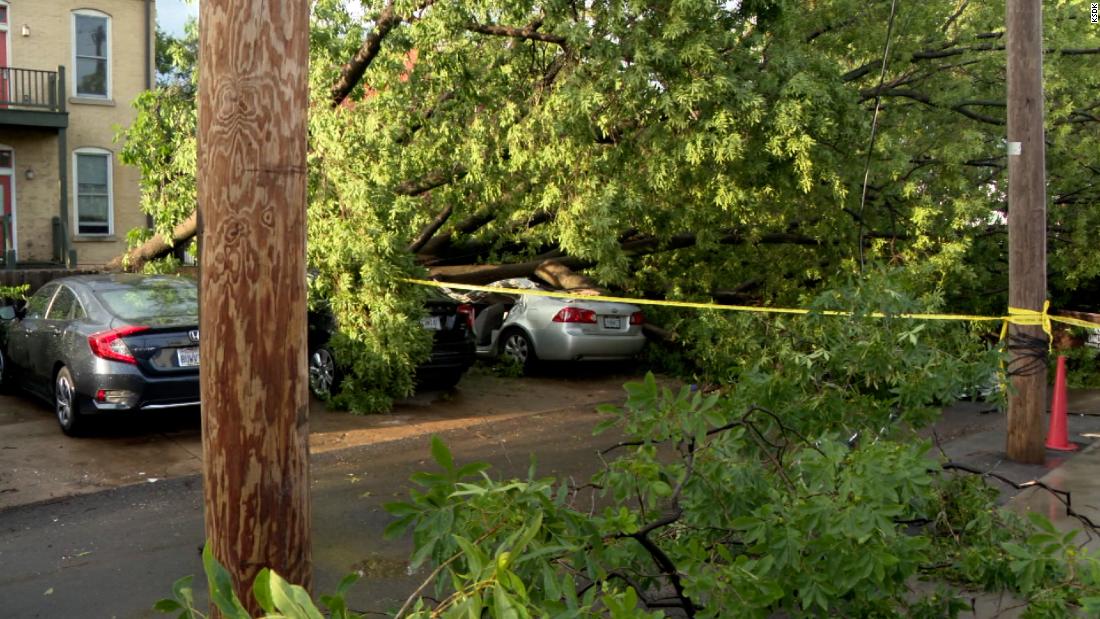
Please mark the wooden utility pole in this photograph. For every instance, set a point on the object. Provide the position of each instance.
(1027, 238)
(252, 204)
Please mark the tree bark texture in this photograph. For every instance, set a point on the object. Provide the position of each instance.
(1027, 273)
(252, 208)
(560, 276)
(155, 247)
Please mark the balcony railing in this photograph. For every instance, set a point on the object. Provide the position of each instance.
(32, 89)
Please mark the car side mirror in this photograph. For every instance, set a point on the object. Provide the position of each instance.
(8, 312)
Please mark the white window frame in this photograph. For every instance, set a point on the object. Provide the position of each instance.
(89, 150)
(6, 27)
(14, 195)
(110, 55)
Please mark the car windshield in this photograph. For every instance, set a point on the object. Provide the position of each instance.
(152, 300)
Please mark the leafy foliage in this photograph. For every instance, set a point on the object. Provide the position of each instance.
(800, 490)
(161, 141)
(690, 150)
(275, 596)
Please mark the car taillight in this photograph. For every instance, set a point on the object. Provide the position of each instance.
(467, 310)
(575, 314)
(637, 318)
(109, 344)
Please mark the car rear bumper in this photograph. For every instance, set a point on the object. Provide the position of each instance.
(446, 360)
(149, 393)
(563, 345)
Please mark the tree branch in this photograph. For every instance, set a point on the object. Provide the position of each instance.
(430, 181)
(353, 71)
(155, 247)
(668, 568)
(429, 231)
(1062, 496)
(529, 33)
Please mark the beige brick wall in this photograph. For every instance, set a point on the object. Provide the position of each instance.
(36, 200)
(92, 123)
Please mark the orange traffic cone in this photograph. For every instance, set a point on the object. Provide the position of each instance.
(1058, 437)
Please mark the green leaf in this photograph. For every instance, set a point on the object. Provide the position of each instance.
(475, 558)
(442, 455)
(470, 469)
(167, 606)
(220, 585)
(398, 527)
(261, 590)
(503, 605)
(292, 600)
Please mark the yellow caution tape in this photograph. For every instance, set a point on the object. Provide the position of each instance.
(1015, 315)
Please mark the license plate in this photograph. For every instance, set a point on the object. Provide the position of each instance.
(432, 323)
(188, 357)
(612, 322)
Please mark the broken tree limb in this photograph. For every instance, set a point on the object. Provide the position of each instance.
(155, 247)
(429, 231)
(439, 242)
(158, 246)
(561, 276)
(353, 71)
(467, 251)
(489, 273)
(660, 334)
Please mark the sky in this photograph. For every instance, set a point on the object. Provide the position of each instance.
(171, 14)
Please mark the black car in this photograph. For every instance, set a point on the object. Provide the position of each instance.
(452, 354)
(93, 344)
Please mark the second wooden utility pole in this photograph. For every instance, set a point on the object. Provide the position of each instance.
(1027, 231)
(253, 100)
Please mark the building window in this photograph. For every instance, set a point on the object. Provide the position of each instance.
(93, 196)
(92, 51)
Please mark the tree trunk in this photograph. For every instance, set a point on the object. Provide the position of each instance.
(155, 247)
(489, 273)
(252, 103)
(560, 276)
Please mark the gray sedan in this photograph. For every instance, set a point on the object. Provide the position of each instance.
(528, 328)
(93, 344)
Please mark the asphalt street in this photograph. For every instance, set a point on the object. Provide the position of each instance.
(114, 553)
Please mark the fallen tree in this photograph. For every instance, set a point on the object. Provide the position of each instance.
(156, 247)
(474, 142)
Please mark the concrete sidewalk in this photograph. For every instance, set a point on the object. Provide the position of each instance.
(973, 433)
(980, 443)
(1077, 473)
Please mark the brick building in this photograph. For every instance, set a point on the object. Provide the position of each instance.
(69, 72)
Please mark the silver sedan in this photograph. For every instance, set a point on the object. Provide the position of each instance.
(528, 328)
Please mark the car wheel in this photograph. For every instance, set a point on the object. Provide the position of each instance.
(324, 377)
(66, 403)
(518, 347)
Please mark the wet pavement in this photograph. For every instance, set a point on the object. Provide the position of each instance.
(74, 546)
(38, 463)
(114, 553)
(974, 434)
(1075, 473)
